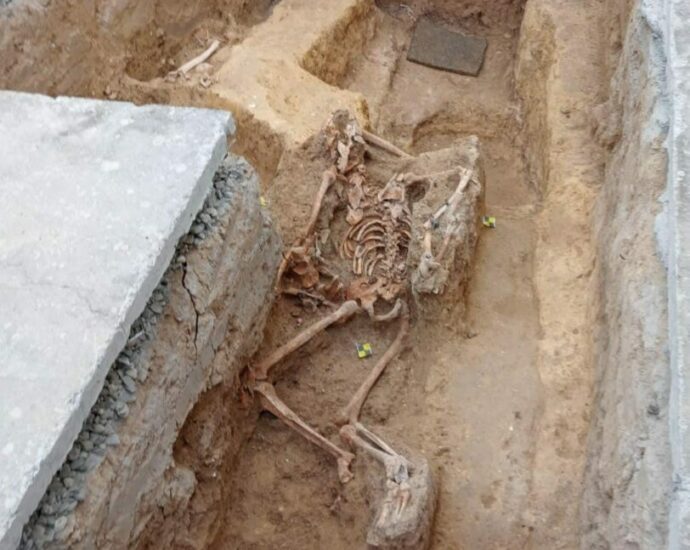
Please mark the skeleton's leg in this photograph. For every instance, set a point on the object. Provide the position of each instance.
(357, 435)
(262, 369)
(397, 467)
(384, 144)
(351, 412)
(271, 402)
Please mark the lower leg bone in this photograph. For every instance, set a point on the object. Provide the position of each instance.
(261, 370)
(351, 412)
(396, 466)
(272, 403)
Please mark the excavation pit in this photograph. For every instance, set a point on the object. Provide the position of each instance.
(543, 386)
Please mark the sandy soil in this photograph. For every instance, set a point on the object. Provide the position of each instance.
(471, 387)
(465, 392)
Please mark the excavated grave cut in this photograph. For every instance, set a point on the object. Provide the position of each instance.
(497, 384)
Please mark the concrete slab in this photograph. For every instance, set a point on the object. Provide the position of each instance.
(435, 46)
(95, 198)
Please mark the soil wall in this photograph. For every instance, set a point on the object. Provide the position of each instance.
(627, 484)
(67, 48)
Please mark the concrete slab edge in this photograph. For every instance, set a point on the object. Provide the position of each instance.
(54, 460)
(677, 46)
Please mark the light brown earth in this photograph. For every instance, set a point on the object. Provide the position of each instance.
(468, 391)
(495, 389)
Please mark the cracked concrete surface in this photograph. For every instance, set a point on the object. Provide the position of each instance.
(96, 196)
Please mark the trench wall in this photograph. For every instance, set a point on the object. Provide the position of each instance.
(170, 411)
(627, 483)
(88, 45)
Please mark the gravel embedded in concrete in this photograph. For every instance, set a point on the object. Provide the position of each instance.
(96, 196)
(128, 371)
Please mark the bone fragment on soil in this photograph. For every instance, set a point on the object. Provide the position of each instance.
(386, 145)
(198, 60)
(272, 403)
(346, 310)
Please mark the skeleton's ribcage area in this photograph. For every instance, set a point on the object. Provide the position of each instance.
(379, 243)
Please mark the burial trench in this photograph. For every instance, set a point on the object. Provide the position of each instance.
(545, 389)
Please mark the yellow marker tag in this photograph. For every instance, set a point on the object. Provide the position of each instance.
(262, 201)
(364, 350)
(489, 221)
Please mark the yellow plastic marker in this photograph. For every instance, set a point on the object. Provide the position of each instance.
(364, 350)
(489, 221)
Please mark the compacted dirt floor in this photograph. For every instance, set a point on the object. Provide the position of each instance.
(465, 391)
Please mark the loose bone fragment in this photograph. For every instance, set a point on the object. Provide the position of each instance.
(262, 369)
(272, 403)
(350, 414)
(198, 60)
(381, 143)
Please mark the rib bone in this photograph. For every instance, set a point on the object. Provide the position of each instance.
(272, 403)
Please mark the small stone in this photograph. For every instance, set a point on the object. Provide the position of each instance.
(79, 494)
(93, 461)
(102, 429)
(56, 484)
(143, 373)
(39, 533)
(98, 439)
(126, 396)
(123, 360)
(112, 440)
(121, 409)
(653, 410)
(88, 445)
(198, 228)
(47, 520)
(67, 506)
(129, 384)
(79, 465)
(69, 482)
(157, 308)
(73, 454)
(60, 523)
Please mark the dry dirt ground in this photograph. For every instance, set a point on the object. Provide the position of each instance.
(468, 389)
(465, 392)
